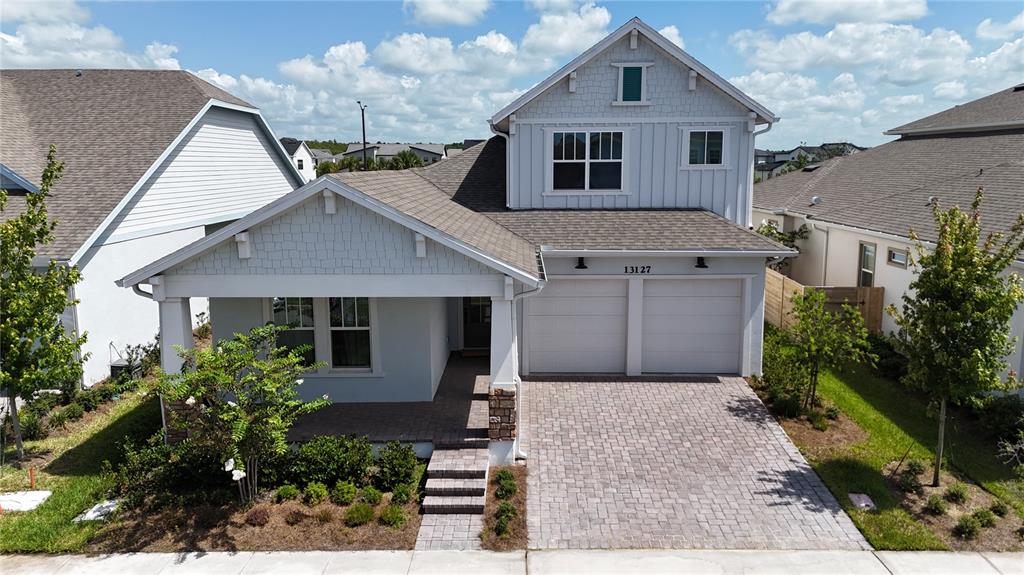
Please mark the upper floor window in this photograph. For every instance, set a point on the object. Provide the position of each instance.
(705, 148)
(632, 83)
(299, 163)
(587, 161)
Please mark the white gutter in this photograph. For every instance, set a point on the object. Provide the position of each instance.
(668, 253)
(983, 126)
(508, 161)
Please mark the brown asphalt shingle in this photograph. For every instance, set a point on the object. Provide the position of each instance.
(1003, 107)
(109, 126)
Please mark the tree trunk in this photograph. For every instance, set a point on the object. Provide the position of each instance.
(942, 436)
(16, 424)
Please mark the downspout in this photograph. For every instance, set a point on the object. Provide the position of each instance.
(750, 195)
(508, 162)
(139, 291)
(824, 257)
(517, 449)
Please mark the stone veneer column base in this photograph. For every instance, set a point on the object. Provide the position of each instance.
(502, 414)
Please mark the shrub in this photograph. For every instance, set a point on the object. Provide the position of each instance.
(507, 489)
(967, 527)
(891, 364)
(257, 516)
(160, 470)
(57, 420)
(817, 420)
(956, 493)
(371, 495)
(287, 493)
(909, 483)
(999, 508)
(32, 426)
(935, 506)
(915, 466)
(784, 378)
(832, 413)
(344, 492)
(504, 475)
(314, 494)
(90, 399)
(506, 510)
(402, 494)
(393, 516)
(984, 517)
(396, 465)
(358, 514)
(324, 515)
(73, 411)
(501, 526)
(295, 517)
(1001, 416)
(328, 459)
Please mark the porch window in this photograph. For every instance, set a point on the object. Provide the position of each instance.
(866, 275)
(587, 161)
(297, 314)
(350, 332)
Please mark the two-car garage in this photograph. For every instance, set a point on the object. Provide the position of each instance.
(684, 325)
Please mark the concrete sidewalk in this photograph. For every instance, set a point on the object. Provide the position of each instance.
(516, 563)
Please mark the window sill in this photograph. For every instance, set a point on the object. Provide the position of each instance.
(586, 193)
(705, 167)
(345, 373)
(622, 103)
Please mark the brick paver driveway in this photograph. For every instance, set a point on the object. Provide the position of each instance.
(684, 464)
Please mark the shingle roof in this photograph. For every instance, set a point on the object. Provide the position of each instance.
(393, 149)
(290, 145)
(886, 188)
(109, 127)
(1005, 107)
(321, 154)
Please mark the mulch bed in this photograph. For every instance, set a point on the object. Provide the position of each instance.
(841, 433)
(516, 538)
(210, 528)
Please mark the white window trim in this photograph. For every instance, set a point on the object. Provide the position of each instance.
(684, 147)
(874, 262)
(888, 259)
(322, 339)
(643, 83)
(549, 162)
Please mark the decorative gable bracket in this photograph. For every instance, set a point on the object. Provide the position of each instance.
(633, 38)
(244, 246)
(330, 207)
(572, 82)
(421, 245)
(693, 80)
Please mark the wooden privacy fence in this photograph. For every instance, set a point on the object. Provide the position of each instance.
(778, 300)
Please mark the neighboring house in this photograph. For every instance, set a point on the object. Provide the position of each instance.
(763, 156)
(768, 164)
(860, 208)
(321, 155)
(427, 153)
(301, 156)
(151, 158)
(603, 229)
(769, 169)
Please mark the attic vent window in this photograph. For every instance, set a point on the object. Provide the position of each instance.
(632, 84)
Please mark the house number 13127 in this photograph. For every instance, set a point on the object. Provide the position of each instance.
(636, 269)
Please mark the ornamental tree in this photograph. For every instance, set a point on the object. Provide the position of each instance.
(240, 400)
(35, 350)
(954, 326)
(826, 339)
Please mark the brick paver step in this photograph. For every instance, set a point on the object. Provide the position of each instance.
(436, 504)
(458, 463)
(454, 487)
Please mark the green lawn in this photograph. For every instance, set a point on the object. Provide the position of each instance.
(895, 421)
(74, 475)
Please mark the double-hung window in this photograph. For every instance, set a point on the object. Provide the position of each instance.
(350, 332)
(706, 147)
(866, 261)
(297, 314)
(587, 161)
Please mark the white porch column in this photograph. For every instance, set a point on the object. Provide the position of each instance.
(175, 330)
(503, 347)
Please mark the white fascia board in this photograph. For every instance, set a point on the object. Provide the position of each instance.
(662, 43)
(134, 191)
(13, 176)
(959, 128)
(718, 253)
(293, 199)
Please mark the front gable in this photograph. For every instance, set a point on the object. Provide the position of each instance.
(306, 240)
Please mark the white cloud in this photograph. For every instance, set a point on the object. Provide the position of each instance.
(447, 12)
(559, 34)
(42, 11)
(901, 102)
(71, 45)
(950, 90)
(673, 35)
(416, 53)
(790, 94)
(834, 11)
(990, 30)
(552, 5)
(895, 54)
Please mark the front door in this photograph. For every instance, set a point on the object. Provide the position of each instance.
(476, 322)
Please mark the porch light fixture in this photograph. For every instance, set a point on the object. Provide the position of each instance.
(581, 264)
(701, 265)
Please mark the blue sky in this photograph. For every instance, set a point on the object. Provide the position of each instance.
(435, 70)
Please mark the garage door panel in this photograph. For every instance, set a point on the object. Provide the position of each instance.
(578, 326)
(580, 362)
(691, 326)
(672, 325)
(568, 306)
(597, 342)
(588, 324)
(702, 343)
(584, 288)
(691, 362)
(657, 288)
(689, 306)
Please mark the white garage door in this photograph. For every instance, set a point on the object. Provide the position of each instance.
(578, 326)
(691, 326)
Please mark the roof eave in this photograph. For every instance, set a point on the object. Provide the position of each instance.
(691, 252)
(978, 127)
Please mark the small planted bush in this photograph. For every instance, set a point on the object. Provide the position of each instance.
(371, 495)
(506, 489)
(984, 517)
(89, 399)
(935, 506)
(915, 466)
(402, 494)
(956, 493)
(257, 516)
(73, 411)
(818, 420)
(909, 483)
(328, 459)
(287, 493)
(33, 427)
(396, 465)
(832, 413)
(358, 514)
(344, 493)
(504, 475)
(324, 515)
(314, 494)
(967, 528)
(999, 508)
(295, 517)
(502, 517)
(393, 516)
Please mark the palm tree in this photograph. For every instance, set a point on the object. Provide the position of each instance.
(404, 160)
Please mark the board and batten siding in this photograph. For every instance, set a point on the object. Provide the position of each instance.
(656, 175)
(224, 168)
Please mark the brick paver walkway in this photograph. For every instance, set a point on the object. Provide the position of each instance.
(654, 464)
(450, 532)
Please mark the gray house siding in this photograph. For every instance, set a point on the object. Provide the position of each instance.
(655, 175)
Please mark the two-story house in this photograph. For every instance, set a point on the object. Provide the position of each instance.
(427, 153)
(152, 160)
(301, 156)
(604, 229)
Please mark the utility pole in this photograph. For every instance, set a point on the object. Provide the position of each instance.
(362, 113)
